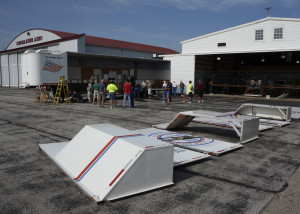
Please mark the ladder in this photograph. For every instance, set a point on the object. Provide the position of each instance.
(62, 86)
(40, 95)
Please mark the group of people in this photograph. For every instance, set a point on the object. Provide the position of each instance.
(100, 90)
(170, 89)
(133, 89)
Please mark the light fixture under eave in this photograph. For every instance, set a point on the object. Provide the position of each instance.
(297, 61)
(242, 62)
(263, 59)
(282, 56)
(218, 58)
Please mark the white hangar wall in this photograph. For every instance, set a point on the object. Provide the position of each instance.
(91, 49)
(32, 37)
(74, 45)
(182, 68)
(241, 39)
(10, 63)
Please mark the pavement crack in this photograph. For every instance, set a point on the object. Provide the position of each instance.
(36, 129)
(237, 183)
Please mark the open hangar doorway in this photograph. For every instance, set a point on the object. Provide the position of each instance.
(269, 73)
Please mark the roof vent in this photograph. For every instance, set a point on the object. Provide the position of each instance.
(222, 44)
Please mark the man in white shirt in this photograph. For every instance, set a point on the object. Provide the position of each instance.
(174, 86)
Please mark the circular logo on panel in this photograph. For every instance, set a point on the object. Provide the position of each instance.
(181, 139)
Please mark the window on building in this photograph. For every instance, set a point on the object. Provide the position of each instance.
(259, 35)
(222, 44)
(278, 33)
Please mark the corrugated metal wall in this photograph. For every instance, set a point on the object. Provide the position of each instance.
(11, 71)
(20, 68)
(5, 70)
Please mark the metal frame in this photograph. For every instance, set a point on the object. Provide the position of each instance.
(249, 125)
(265, 111)
(209, 121)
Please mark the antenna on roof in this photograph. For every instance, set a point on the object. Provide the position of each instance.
(269, 10)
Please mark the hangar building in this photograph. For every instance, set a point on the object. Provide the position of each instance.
(88, 57)
(263, 54)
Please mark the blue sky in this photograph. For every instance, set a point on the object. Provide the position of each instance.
(162, 23)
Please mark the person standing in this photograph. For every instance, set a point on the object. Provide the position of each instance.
(112, 89)
(89, 91)
(102, 93)
(200, 90)
(191, 88)
(182, 94)
(132, 82)
(174, 86)
(210, 87)
(168, 92)
(149, 88)
(164, 86)
(96, 92)
(137, 90)
(144, 89)
(127, 92)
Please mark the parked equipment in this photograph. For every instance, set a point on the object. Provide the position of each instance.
(40, 95)
(62, 86)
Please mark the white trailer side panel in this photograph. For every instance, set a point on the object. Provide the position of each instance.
(40, 68)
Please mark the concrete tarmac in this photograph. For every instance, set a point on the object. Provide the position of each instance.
(262, 177)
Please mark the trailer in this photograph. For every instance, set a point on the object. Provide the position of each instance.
(43, 67)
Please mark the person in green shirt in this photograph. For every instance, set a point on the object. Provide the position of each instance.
(112, 89)
(96, 92)
(191, 88)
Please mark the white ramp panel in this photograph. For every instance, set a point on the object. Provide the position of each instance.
(184, 156)
(295, 113)
(265, 111)
(210, 146)
(179, 121)
(109, 162)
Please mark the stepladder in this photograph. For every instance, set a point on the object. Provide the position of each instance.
(62, 91)
(40, 95)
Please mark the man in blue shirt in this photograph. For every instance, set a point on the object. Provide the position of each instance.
(102, 93)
